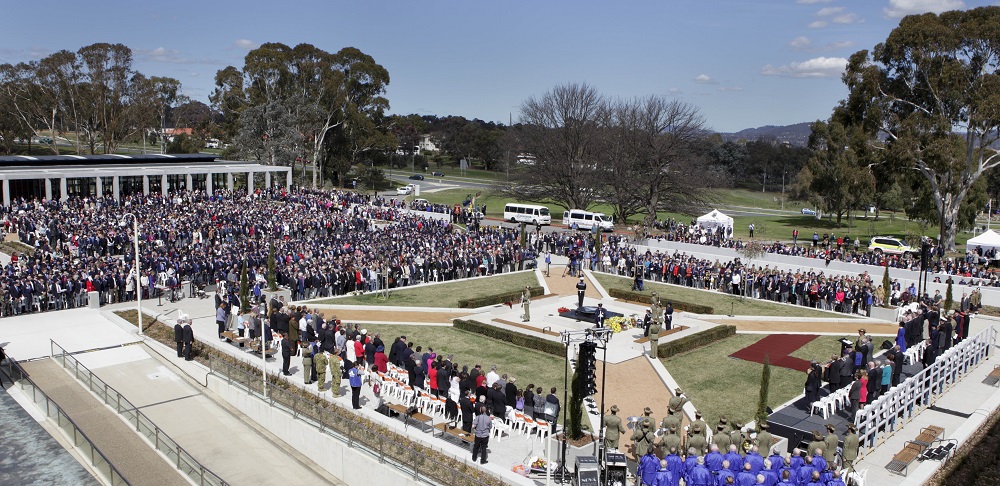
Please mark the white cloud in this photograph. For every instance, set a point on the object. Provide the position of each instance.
(674, 91)
(160, 54)
(704, 79)
(848, 18)
(902, 8)
(839, 45)
(819, 67)
(823, 12)
(245, 44)
(819, 24)
(730, 88)
(812, 2)
(800, 42)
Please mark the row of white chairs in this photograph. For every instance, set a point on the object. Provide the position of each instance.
(829, 404)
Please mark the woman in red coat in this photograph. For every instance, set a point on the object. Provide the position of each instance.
(381, 360)
(432, 374)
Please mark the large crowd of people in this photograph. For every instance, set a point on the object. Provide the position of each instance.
(324, 243)
(973, 270)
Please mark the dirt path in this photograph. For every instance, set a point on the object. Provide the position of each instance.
(848, 328)
(567, 285)
(633, 385)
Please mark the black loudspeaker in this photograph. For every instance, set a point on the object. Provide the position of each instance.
(887, 344)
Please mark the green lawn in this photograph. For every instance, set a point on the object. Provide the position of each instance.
(720, 385)
(443, 295)
(821, 348)
(722, 303)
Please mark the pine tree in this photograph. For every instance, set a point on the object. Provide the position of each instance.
(886, 288)
(272, 275)
(949, 298)
(765, 384)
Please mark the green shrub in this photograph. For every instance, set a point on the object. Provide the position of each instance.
(515, 338)
(694, 341)
(495, 299)
(645, 299)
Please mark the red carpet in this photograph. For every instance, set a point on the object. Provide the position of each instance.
(777, 347)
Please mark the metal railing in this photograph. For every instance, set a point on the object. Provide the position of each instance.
(181, 459)
(360, 435)
(81, 442)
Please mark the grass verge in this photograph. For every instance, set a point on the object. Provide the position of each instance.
(445, 295)
(722, 303)
(720, 385)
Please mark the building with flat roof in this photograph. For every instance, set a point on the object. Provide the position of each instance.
(63, 176)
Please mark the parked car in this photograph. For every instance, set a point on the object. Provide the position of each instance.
(808, 212)
(405, 190)
(417, 177)
(890, 245)
(437, 174)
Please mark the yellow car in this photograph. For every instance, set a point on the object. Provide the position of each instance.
(890, 246)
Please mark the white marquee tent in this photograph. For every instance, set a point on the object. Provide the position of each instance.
(988, 240)
(715, 219)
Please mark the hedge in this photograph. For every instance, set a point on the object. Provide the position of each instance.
(515, 338)
(645, 299)
(495, 299)
(694, 341)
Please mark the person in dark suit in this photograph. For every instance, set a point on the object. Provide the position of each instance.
(468, 411)
(188, 341)
(179, 339)
(286, 354)
(855, 394)
(874, 380)
(813, 384)
(834, 373)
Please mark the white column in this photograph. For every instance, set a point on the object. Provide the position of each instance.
(6, 192)
(163, 185)
(116, 187)
(229, 181)
(188, 182)
(250, 183)
(48, 189)
(62, 189)
(288, 179)
(267, 180)
(208, 184)
(100, 186)
(145, 186)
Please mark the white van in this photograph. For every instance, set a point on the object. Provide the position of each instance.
(527, 213)
(587, 220)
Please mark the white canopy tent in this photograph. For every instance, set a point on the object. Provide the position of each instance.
(715, 219)
(988, 240)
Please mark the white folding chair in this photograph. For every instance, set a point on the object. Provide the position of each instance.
(821, 406)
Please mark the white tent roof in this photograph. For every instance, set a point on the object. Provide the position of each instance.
(716, 218)
(987, 240)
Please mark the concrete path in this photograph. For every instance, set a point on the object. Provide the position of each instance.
(135, 459)
(218, 437)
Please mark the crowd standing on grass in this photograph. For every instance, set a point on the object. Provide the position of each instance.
(325, 243)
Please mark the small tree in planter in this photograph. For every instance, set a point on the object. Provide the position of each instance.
(765, 384)
(272, 274)
(886, 288)
(576, 403)
(949, 298)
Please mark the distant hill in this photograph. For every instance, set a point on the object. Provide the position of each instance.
(797, 134)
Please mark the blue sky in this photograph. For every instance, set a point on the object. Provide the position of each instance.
(744, 63)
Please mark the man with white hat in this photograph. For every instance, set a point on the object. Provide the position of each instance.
(581, 290)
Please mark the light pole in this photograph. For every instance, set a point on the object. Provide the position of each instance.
(138, 269)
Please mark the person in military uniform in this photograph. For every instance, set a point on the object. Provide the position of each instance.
(851, 445)
(643, 437)
(676, 403)
(764, 437)
(581, 290)
(336, 375)
(647, 413)
(737, 438)
(613, 429)
(656, 325)
(671, 420)
(670, 440)
(831, 441)
(526, 304)
(817, 442)
(704, 425)
(724, 423)
(320, 362)
(721, 438)
(697, 441)
(307, 364)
